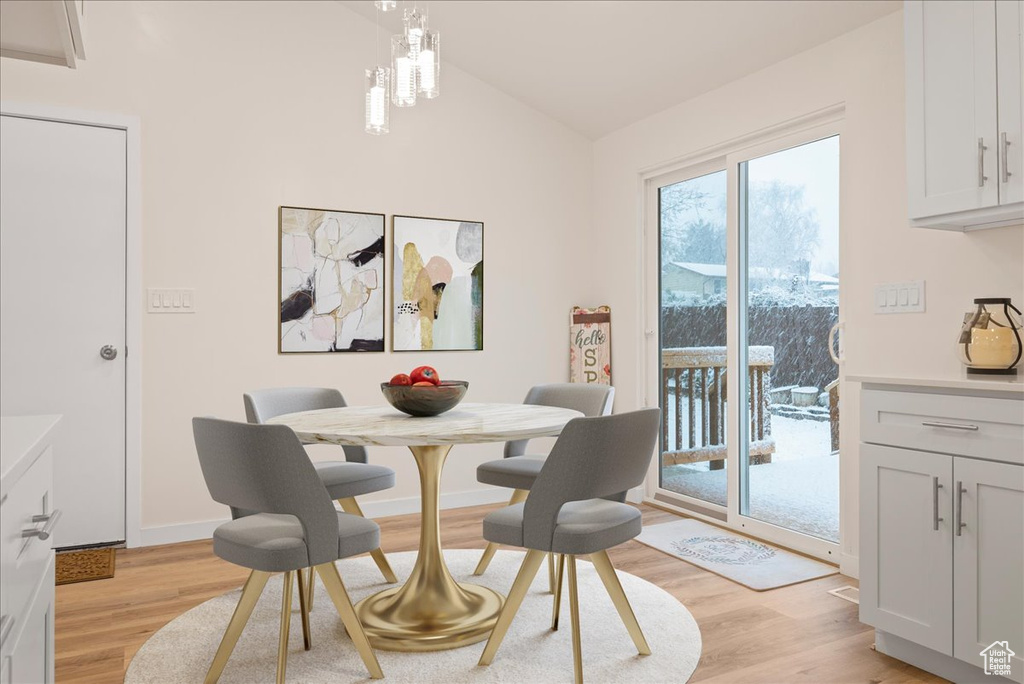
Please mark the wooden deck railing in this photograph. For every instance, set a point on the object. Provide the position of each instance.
(693, 382)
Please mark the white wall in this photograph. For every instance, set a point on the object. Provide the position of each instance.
(248, 106)
(864, 70)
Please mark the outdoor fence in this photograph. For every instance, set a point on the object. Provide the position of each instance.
(798, 334)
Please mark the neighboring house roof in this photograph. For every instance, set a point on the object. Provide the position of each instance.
(718, 271)
(708, 270)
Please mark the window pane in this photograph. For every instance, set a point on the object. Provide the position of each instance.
(790, 473)
(693, 289)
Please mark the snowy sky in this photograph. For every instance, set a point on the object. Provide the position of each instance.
(815, 166)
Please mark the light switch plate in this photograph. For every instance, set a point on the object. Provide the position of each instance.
(906, 297)
(170, 300)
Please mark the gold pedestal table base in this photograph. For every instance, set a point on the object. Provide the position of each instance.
(431, 611)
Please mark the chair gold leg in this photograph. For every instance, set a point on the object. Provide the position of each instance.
(286, 622)
(518, 496)
(350, 506)
(551, 573)
(311, 580)
(574, 613)
(303, 608)
(527, 571)
(250, 595)
(558, 591)
(382, 564)
(604, 568)
(336, 590)
(485, 559)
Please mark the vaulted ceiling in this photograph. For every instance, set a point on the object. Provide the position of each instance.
(598, 66)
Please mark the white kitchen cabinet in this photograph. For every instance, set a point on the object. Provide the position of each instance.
(27, 521)
(31, 658)
(906, 545)
(963, 90)
(47, 31)
(988, 559)
(1010, 73)
(942, 525)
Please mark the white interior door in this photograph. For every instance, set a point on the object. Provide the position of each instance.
(62, 283)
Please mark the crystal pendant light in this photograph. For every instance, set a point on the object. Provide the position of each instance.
(415, 26)
(386, 5)
(403, 81)
(429, 65)
(378, 101)
(378, 93)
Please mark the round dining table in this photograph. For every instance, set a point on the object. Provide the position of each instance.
(431, 611)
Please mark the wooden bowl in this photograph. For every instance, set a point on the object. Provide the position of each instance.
(425, 401)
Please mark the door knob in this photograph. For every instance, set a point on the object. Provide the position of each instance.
(108, 352)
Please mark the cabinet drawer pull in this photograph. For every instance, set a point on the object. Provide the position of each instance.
(1004, 164)
(981, 163)
(951, 426)
(960, 524)
(51, 521)
(935, 503)
(6, 622)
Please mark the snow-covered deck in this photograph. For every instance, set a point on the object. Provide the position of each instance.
(798, 490)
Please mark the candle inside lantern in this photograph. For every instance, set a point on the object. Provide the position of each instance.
(993, 348)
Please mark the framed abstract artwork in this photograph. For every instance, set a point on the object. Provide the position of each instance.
(439, 284)
(331, 281)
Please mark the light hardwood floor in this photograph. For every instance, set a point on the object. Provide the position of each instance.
(793, 634)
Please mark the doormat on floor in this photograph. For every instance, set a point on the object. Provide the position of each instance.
(84, 566)
(740, 559)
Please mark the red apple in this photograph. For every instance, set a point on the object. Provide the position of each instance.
(424, 383)
(401, 379)
(424, 374)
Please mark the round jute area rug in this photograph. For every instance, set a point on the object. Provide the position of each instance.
(530, 654)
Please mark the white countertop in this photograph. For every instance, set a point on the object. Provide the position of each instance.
(22, 440)
(1012, 385)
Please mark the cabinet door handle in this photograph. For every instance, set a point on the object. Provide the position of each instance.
(960, 524)
(6, 622)
(981, 163)
(51, 521)
(1003, 163)
(951, 426)
(935, 503)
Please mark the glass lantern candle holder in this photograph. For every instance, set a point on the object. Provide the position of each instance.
(990, 338)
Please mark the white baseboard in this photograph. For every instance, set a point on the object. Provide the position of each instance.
(172, 534)
(849, 565)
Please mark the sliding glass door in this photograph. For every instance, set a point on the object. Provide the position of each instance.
(692, 297)
(747, 263)
(789, 226)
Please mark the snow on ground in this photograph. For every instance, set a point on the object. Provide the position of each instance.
(798, 490)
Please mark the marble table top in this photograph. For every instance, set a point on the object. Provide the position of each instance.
(467, 423)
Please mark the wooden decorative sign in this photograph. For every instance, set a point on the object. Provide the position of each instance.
(590, 345)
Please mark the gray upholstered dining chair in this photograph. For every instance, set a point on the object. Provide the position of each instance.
(344, 480)
(518, 470)
(568, 512)
(292, 524)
